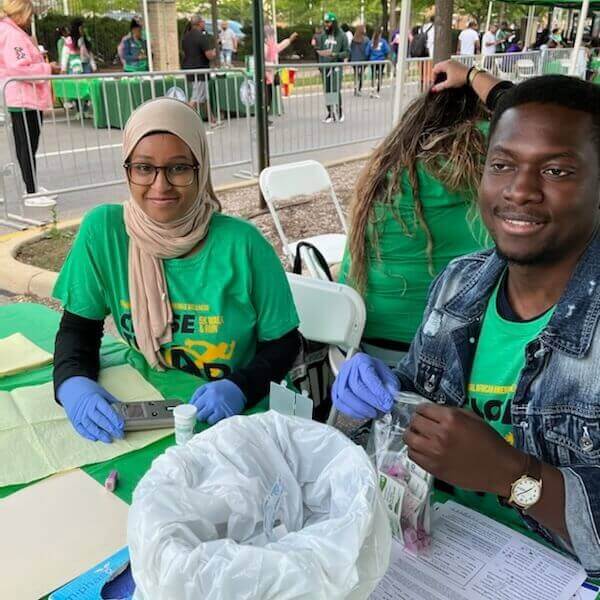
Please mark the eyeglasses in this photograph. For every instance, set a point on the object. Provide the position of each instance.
(180, 175)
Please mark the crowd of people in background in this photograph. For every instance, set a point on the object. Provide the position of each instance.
(76, 55)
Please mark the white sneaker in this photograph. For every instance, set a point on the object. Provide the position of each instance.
(341, 118)
(376, 96)
(329, 119)
(40, 201)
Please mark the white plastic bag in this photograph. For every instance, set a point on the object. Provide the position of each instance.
(301, 483)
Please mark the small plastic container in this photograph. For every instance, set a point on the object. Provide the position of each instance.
(185, 420)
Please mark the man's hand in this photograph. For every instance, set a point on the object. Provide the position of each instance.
(324, 52)
(293, 37)
(456, 446)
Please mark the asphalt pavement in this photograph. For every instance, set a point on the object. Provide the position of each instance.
(73, 154)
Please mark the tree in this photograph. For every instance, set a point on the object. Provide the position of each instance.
(214, 17)
(384, 16)
(443, 30)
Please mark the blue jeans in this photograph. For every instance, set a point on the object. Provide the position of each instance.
(226, 57)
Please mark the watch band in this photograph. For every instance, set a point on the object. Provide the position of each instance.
(473, 72)
(533, 468)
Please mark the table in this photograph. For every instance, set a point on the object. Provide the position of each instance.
(113, 100)
(71, 89)
(555, 67)
(39, 324)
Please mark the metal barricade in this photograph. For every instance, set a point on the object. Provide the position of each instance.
(356, 96)
(417, 79)
(80, 136)
(514, 66)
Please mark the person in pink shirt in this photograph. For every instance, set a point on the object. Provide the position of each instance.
(272, 50)
(24, 100)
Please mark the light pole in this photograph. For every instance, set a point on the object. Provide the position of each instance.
(258, 47)
(583, 13)
(401, 64)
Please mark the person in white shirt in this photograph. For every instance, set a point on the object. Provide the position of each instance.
(430, 31)
(489, 44)
(348, 33)
(228, 42)
(468, 40)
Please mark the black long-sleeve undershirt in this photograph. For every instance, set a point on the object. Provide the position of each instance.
(77, 353)
(496, 93)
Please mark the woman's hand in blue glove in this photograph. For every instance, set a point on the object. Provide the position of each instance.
(88, 406)
(217, 400)
(364, 387)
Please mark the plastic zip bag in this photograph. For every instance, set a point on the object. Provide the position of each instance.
(405, 486)
(260, 507)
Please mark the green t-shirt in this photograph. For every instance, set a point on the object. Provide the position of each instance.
(226, 298)
(398, 275)
(499, 360)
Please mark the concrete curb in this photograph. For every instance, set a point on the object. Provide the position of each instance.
(20, 278)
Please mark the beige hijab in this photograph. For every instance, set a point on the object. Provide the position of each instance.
(150, 241)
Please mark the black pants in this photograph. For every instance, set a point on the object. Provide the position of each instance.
(377, 72)
(359, 72)
(26, 130)
(332, 81)
(270, 91)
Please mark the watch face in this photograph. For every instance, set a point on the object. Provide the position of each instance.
(526, 492)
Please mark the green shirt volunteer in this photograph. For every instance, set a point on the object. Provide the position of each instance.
(499, 360)
(226, 298)
(398, 275)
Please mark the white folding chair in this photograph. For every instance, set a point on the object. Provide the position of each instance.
(280, 185)
(330, 313)
(509, 76)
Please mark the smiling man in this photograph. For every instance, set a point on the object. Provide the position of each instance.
(509, 347)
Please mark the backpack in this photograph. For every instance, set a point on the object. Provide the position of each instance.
(311, 371)
(418, 46)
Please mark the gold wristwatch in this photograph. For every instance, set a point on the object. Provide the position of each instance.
(526, 491)
(473, 72)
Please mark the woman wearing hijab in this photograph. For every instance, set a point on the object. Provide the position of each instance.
(188, 287)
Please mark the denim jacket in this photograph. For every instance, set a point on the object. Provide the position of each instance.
(556, 408)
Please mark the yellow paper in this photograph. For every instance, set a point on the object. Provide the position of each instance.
(17, 354)
(55, 530)
(37, 439)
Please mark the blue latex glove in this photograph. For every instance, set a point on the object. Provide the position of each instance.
(217, 400)
(87, 405)
(364, 387)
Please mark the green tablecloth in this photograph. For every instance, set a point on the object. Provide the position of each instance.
(555, 67)
(71, 89)
(113, 100)
(39, 324)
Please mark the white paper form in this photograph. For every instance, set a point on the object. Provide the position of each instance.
(472, 557)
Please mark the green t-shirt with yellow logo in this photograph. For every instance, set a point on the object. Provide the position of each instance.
(499, 360)
(226, 298)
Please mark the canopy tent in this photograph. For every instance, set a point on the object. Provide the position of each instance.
(594, 4)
